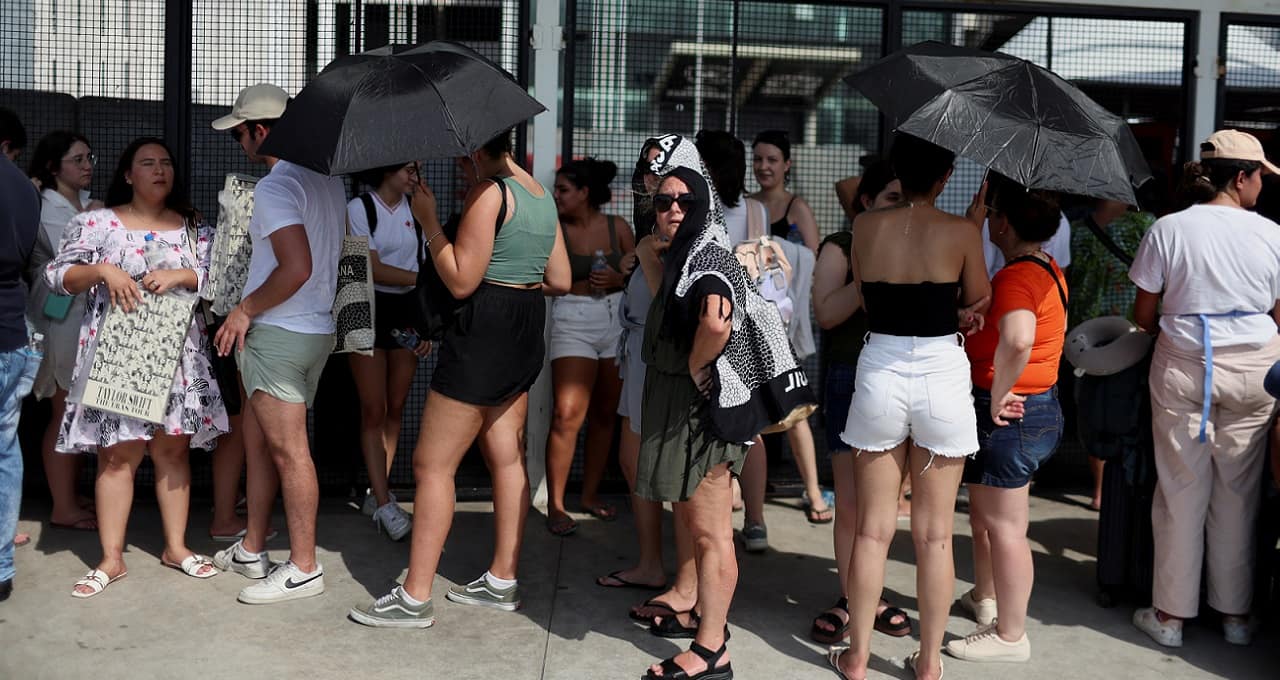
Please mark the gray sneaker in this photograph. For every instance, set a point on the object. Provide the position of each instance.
(479, 593)
(236, 559)
(755, 538)
(392, 611)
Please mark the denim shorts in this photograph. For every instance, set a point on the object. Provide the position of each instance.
(1009, 455)
(836, 397)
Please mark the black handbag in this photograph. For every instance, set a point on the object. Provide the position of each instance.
(437, 307)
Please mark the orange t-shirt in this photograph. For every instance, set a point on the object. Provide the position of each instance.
(1023, 285)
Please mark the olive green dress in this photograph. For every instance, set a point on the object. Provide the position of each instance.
(677, 446)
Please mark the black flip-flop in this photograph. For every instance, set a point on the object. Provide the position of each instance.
(885, 624)
(624, 583)
(651, 602)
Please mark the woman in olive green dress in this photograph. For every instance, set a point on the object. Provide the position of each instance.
(719, 370)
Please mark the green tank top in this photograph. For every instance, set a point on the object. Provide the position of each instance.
(523, 245)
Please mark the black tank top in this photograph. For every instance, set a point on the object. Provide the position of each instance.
(782, 227)
(922, 310)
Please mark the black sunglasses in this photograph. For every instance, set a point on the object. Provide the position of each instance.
(663, 202)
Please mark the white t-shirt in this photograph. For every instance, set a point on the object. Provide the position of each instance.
(395, 240)
(56, 212)
(1058, 247)
(736, 220)
(1212, 259)
(288, 195)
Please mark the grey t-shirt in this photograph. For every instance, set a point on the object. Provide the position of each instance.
(19, 222)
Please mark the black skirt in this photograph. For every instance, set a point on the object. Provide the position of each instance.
(392, 311)
(495, 347)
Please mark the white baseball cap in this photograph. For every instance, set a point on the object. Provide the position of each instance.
(263, 101)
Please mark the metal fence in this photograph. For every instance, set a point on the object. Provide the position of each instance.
(750, 65)
(115, 70)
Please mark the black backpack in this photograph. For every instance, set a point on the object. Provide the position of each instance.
(437, 307)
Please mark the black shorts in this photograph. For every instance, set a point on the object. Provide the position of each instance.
(494, 350)
(225, 371)
(392, 310)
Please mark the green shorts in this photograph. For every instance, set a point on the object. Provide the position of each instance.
(282, 363)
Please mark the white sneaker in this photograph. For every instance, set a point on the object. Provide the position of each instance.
(285, 582)
(1237, 631)
(392, 519)
(983, 611)
(239, 560)
(1166, 633)
(985, 644)
(370, 504)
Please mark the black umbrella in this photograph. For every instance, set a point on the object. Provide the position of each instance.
(1008, 114)
(396, 104)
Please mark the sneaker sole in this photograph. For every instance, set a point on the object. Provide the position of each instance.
(283, 597)
(476, 602)
(988, 659)
(382, 529)
(375, 622)
(755, 547)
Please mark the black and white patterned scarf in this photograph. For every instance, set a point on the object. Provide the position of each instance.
(757, 381)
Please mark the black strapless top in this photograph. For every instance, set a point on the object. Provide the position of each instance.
(922, 310)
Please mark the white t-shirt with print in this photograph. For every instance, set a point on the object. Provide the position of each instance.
(288, 195)
(1212, 259)
(1058, 247)
(395, 240)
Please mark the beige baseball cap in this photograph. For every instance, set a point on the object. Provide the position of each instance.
(263, 101)
(1237, 146)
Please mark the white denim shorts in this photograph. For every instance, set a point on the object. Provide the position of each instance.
(585, 326)
(913, 387)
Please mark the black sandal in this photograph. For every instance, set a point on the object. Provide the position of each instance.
(669, 627)
(672, 670)
(839, 626)
(885, 624)
(651, 602)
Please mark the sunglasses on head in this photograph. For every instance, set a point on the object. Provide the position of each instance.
(663, 202)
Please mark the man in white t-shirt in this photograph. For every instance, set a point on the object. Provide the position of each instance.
(282, 331)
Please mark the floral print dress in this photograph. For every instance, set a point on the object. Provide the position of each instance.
(195, 405)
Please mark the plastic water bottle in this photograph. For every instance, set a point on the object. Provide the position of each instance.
(599, 264)
(407, 338)
(153, 253)
(34, 354)
(794, 235)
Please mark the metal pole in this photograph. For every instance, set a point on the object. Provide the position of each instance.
(697, 66)
(732, 123)
(1204, 89)
(548, 42)
(178, 17)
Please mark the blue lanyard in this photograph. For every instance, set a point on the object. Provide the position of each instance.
(1208, 361)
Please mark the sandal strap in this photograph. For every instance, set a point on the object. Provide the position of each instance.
(707, 655)
(842, 603)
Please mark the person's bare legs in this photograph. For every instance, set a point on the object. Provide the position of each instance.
(877, 477)
(1095, 468)
(602, 415)
(262, 482)
(648, 516)
(683, 593)
(753, 480)
(932, 522)
(171, 456)
(448, 428)
(502, 444)
(844, 527)
(984, 581)
(284, 430)
(800, 437)
(228, 463)
(113, 493)
(370, 375)
(61, 470)
(572, 379)
(708, 517)
(904, 503)
(1004, 513)
(401, 366)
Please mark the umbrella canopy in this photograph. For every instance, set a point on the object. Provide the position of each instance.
(395, 104)
(1008, 114)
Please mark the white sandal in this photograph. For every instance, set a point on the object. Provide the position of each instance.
(192, 566)
(911, 664)
(96, 581)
